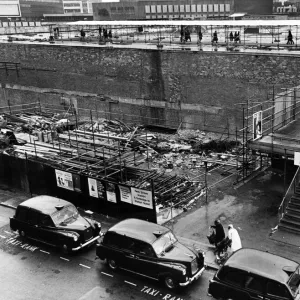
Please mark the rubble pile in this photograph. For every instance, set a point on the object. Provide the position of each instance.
(104, 147)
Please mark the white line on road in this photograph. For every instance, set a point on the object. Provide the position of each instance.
(84, 266)
(64, 258)
(130, 283)
(107, 274)
(45, 252)
(4, 237)
(9, 232)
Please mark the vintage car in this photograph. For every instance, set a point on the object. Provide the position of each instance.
(254, 274)
(56, 222)
(152, 251)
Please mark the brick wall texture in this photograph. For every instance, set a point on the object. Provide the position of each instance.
(200, 89)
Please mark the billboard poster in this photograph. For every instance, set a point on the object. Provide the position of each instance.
(96, 188)
(93, 190)
(64, 180)
(111, 192)
(125, 194)
(142, 198)
(257, 125)
(297, 158)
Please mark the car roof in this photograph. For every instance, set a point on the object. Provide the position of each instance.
(139, 229)
(44, 204)
(262, 263)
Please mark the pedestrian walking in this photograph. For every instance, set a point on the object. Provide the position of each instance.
(215, 37)
(219, 231)
(82, 34)
(234, 236)
(237, 37)
(181, 34)
(109, 34)
(290, 40)
(100, 31)
(187, 35)
(200, 35)
(231, 36)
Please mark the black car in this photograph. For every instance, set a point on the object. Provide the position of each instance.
(56, 222)
(152, 251)
(254, 274)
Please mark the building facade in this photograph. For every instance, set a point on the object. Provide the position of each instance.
(79, 6)
(254, 7)
(162, 9)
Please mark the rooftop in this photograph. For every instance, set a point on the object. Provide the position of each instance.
(262, 263)
(45, 204)
(138, 229)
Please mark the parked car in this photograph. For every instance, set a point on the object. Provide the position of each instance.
(56, 222)
(254, 274)
(152, 251)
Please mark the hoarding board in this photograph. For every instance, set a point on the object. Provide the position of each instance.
(64, 180)
(257, 125)
(142, 198)
(125, 194)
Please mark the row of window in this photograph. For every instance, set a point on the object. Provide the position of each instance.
(121, 9)
(182, 16)
(151, 9)
(253, 282)
(13, 24)
(52, 1)
(71, 4)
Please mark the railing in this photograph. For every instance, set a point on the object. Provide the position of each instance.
(290, 192)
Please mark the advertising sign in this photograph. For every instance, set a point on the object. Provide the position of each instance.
(111, 192)
(142, 198)
(297, 158)
(64, 180)
(257, 125)
(125, 194)
(93, 190)
(96, 188)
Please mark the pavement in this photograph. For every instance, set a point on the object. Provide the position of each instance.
(251, 207)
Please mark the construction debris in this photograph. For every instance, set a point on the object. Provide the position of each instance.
(121, 152)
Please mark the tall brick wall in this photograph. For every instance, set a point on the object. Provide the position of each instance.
(196, 88)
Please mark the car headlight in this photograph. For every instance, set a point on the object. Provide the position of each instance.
(75, 237)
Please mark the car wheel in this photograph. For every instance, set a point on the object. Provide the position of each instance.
(22, 233)
(170, 282)
(112, 264)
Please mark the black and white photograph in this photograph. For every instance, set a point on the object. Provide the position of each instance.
(150, 149)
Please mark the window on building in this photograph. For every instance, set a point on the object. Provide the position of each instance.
(199, 8)
(165, 8)
(158, 9)
(216, 7)
(204, 7)
(170, 8)
(147, 9)
(227, 7)
(193, 8)
(153, 9)
(210, 8)
(187, 8)
(181, 8)
(176, 8)
(222, 7)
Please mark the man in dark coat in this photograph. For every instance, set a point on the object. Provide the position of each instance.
(220, 233)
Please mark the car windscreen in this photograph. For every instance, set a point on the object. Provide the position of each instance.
(164, 242)
(294, 281)
(68, 214)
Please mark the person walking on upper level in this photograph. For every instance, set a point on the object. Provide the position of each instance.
(290, 40)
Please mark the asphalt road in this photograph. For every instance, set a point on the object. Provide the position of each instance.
(34, 271)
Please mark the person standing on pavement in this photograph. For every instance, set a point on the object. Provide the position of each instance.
(219, 230)
(231, 36)
(234, 236)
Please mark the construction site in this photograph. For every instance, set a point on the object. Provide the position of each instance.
(142, 133)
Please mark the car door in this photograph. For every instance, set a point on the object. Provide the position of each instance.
(141, 258)
(255, 286)
(233, 284)
(113, 248)
(277, 291)
(50, 234)
(31, 227)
